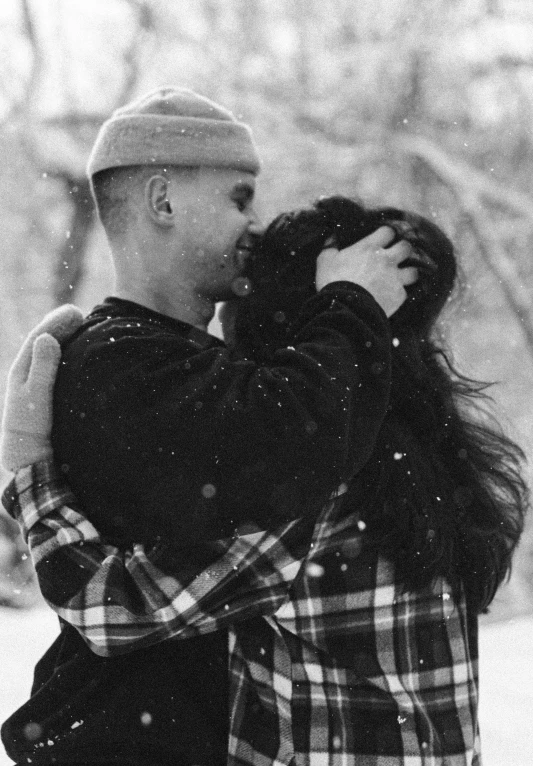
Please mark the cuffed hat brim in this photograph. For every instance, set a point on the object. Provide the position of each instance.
(154, 138)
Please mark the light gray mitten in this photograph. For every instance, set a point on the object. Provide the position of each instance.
(27, 417)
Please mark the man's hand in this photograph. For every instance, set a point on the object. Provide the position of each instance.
(27, 418)
(373, 265)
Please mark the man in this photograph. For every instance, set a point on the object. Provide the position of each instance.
(173, 445)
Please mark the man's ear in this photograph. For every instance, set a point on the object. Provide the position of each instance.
(156, 198)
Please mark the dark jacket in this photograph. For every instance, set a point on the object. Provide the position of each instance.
(162, 434)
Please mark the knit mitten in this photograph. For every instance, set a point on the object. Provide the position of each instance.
(27, 417)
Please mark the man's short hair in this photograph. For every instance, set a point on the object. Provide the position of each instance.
(116, 191)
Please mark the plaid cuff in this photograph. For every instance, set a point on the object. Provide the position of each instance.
(36, 491)
(9, 498)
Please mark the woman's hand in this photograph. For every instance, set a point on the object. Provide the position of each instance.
(372, 265)
(27, 417)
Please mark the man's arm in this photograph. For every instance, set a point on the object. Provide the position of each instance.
(144, 419)
(120, 601)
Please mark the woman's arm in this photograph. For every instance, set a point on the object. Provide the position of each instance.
(121, 600)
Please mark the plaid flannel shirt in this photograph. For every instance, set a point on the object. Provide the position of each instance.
(331, 663)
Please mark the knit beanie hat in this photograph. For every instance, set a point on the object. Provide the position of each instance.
(173, 126)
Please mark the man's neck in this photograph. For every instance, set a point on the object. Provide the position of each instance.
(136, 280)
(181, 305)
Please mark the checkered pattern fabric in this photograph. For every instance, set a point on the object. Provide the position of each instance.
(363, 672)
(331, 662)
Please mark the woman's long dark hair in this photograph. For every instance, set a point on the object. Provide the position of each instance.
(443, 493)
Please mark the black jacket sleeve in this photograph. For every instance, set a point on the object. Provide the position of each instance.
(160, 437)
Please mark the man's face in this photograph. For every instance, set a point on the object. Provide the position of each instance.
(217, 227)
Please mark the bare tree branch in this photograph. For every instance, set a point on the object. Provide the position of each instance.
(132, 54)
(9, 76)
(464, 175)
(304, 18)
(455, 171)
(37, 63)
(503, 267)
(71, 257)
(69, 95)
(497, 259)
(20, 114)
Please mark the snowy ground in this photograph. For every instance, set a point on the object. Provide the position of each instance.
(506, 679)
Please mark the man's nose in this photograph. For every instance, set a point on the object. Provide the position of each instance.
(256, 226)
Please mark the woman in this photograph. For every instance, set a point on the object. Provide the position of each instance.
(389, 598)
(377, 642)
(442, 494)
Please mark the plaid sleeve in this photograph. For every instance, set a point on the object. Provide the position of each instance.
(123, 600)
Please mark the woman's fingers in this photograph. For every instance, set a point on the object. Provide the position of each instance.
(400, 251)
(408, 276)
(381, 237)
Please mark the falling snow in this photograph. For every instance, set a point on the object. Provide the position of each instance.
(146, 718)
(314, 570)
(209, 491)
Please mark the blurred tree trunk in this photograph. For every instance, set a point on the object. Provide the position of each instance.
(58, 146)
(70, 266)
(304, 22)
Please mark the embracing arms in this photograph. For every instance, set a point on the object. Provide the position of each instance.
(120, 600)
